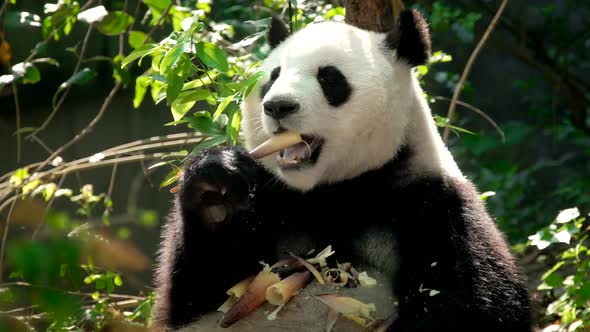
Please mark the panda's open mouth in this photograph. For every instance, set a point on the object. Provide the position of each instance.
(305, 153)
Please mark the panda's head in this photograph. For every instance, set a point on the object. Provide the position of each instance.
(347, 91)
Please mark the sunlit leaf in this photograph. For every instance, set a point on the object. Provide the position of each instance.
(221, 107)
(567, 215)
(187, 99)
(209, 143)
(212, 56)
(170, 178)
(137, 38)
(141, 85)
(22, 19)
(26, 73)
(92, 15)
(115, 23)
(171, 58)
(140, 52)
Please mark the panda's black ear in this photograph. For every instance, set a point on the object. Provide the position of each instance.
(277, 32)
(411, 38)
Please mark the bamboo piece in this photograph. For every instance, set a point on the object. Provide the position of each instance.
(276, 143)
(283, 291)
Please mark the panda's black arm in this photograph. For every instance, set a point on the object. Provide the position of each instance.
(211, 240)
(455, 270)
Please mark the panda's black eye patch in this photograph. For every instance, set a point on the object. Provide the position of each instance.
(334, 84)
(275, 73)
(273, 77)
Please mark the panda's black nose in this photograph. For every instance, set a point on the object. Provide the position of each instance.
(278, 109)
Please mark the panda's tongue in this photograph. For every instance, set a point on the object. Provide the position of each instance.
(294, 154)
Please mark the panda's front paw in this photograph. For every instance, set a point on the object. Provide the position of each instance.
(217, 184)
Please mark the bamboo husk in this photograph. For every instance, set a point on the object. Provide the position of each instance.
(283, 291)
(254, 297)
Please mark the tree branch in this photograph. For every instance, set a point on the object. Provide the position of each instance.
(67, 90)
(88, 129)
(469, 65)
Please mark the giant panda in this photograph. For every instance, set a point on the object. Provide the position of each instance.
(373, 179)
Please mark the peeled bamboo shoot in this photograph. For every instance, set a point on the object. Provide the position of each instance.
(276, 143)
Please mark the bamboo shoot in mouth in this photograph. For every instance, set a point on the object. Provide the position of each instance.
(276, 143)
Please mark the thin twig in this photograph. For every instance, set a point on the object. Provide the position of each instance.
(160, 20)
(143, 145)
(122, 160)
(43, 145)
(478, 111)
(88, 129)
(26, 284)
(469, 65)
(49, 204)
(122, 36)
(18, 134)
(2, 12)
(112, 183)
(5, 236)
(64, 95)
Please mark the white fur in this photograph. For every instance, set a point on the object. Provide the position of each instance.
(386, 108)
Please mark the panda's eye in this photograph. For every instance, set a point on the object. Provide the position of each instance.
(273, 77)
(334, 84)
(275, 73)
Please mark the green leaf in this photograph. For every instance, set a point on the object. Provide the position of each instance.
(115, 23)
(206, 79)
(170, 178)
(119, 73)
(234, 127)
(49, 61)
(171, 59)
(136, 38)
(157, 5)
(118, 281)
(208, 143)
(173, 88)
(24, 130)
(141, 84)
(221, 107)
(80, 78)
(26, 73)
(19, 176)
(212, 56)
(6, 296)
(139, 53)
(486, 195)
(202, 122)
(187, 99)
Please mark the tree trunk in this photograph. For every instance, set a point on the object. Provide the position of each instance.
(373, 15)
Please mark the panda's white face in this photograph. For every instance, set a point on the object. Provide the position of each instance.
(342, 89)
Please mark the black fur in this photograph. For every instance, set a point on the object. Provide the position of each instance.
(277, 32)
(334, 84)
(273, 77)
(411, 38)
(435, 219)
